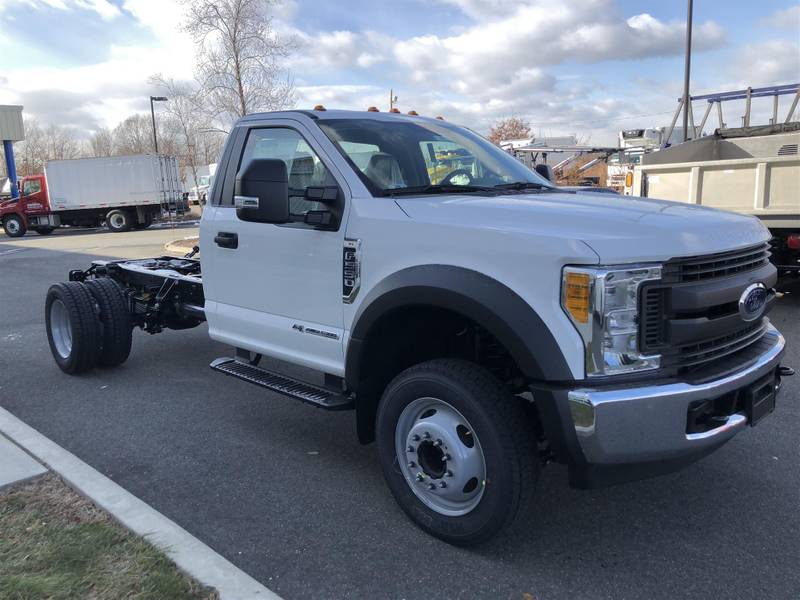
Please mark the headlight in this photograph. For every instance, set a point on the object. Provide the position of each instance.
(603, 304)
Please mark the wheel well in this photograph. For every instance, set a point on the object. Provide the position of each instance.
(410, 335)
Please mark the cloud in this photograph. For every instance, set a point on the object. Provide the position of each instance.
(788, 18)
(104, 8)
(324, 51)
(767, 63)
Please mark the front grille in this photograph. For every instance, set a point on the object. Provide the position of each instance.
(712, 266)
(695, 354)
(675, 320)
(653, 310)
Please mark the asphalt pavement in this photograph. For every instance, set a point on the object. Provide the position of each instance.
(285, 491)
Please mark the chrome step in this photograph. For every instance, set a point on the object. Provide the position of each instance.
(311, 394)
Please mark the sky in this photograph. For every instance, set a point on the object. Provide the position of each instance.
(583, 67)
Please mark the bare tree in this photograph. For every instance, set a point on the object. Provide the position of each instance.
(134, 135)
(239, 57)
(184, 110)
(61, 143)
(512, 128)
(101, 143)
(31, 153)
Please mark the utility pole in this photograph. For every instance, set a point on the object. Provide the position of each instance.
(153, 116)
(686, 69)
(392, 99)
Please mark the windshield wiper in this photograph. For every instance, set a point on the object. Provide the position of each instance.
(523, 185)
(437, 189)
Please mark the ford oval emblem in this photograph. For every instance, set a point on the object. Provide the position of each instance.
(752, 302)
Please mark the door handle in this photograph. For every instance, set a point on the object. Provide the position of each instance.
(226, 239)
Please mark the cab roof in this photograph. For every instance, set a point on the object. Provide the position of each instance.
(332, 114)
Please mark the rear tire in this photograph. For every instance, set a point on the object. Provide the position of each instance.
(115, 339)
(72, 327)
(14, 226)
(463, 494)
(45, 230)
(118, 221)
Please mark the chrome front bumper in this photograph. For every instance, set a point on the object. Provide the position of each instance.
(644, 424)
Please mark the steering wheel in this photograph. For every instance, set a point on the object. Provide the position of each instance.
(448, 179)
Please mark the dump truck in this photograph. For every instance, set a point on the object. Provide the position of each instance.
(753, 171)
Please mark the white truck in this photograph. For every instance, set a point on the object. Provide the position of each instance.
(479, 321)
(124, 192)
(753, 171)
(199, 192)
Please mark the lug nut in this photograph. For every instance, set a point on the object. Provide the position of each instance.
(420, 476)
(411, 464)
(446, 457)
(437, 443)
(426, 435)
(431, 486)
(442, 484)
(410, 449)
(415, 438)
(448, 473)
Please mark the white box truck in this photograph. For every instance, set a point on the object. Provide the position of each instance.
(124, 192)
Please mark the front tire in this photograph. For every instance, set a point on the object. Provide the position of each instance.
(457, 450)
(14, 226)
(72, 327)
(118, 221)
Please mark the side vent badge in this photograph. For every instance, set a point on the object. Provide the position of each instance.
(351, 270)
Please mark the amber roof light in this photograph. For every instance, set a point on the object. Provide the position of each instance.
(373, 109)
(413, 113)
(395, 111)
(319, 107)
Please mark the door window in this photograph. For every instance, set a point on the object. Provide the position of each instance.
(31, 186)
(304, 167)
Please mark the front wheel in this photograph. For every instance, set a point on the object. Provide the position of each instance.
(14, 226)
(457, 450)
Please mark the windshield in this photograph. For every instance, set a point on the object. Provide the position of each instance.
(391, 156)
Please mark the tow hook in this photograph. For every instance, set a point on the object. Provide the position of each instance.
(780, 374)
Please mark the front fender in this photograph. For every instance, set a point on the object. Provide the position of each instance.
(484, 300)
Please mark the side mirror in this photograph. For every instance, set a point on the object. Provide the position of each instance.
(261, 192)
(545, 171)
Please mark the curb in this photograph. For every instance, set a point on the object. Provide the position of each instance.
(190, 554)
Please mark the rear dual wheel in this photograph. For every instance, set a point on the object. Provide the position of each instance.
(457, 450)
(88, 324)
(119, 221)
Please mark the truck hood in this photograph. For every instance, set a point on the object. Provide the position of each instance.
(620, 229)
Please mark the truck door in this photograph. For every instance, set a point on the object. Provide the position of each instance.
(277, 289)
(34, 195)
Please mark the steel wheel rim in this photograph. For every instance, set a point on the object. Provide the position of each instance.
(117, 221)
(440, 457)
(12, 225)
(61, 328)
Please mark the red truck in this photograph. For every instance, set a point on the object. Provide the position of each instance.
(122, 192)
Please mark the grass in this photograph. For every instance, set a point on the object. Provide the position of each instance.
(57, 545)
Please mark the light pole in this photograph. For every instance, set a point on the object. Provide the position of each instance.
(686, 68)
(153, 116)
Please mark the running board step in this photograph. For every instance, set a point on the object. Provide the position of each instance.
(311, 394)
